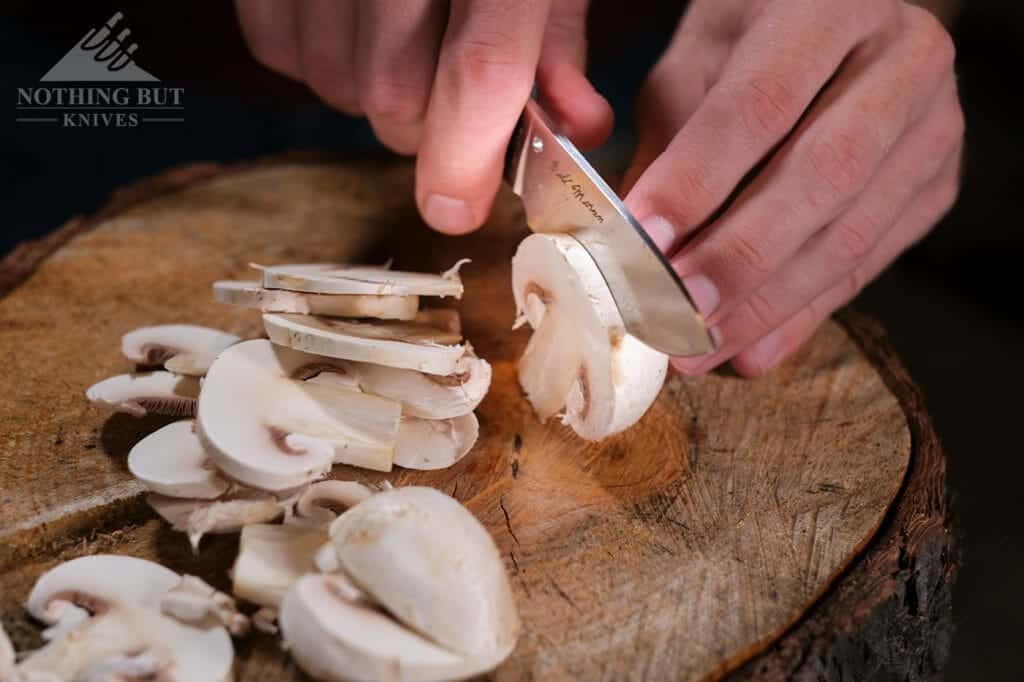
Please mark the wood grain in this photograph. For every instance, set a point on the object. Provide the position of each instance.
(675, 551)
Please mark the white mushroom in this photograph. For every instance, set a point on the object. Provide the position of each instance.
(268, 429)
(147, 393)
(271, 558)
(193, 600)
(181, 348)
(429, 396)
(579, 358)
(335, 637)
(171, 461)
(435, 443)
(356, 279)
(322, 502)
(251, 294)
(408, 345)
(427, 560)
(229, 514)
(125, 634)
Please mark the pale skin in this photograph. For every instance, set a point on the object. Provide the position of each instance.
(847, 112)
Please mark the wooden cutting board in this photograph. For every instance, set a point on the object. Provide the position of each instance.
(678, 550)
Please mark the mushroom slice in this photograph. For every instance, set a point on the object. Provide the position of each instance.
(230, 514)
(435, 443)
(193, 600)
(271, 558)
(442, 318)
(182, 348)
(335, 637)
(147, 393)
(251, 294)
(407, 345)
(268, 429)
(433, 566)
(322, 502)
(579, 358)
(429, 396)
(356, 279)
(172, 462)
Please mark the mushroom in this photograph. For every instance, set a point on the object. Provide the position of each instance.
(251, 294)
(228, 514)
(429, 396)
(147, 393)
(435, 443)
(182, 348)
(325, 278)
(171, 461)
(321, 502)
(266, 428)
(442, 318)
(271, 558)
(408, 345)
(125, 635)
(192, 600)
(428, 561)
(580, 357)
(333, 634)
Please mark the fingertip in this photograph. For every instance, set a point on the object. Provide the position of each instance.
(450, 215)
(689, 366)
(584, 116)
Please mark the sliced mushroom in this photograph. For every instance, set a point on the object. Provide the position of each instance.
(579, 357)
(356, 279)
(193, 600)
(322, 502)
(396, 344)
(433, 566)
(429, 396)
(147, 393)
(268, 429)
(125, 635)
(271, 558)
(435, 443)
(181, 348)
(251, 294)
(229, 514)
(442, 318)
(335, 637)
(172, 462)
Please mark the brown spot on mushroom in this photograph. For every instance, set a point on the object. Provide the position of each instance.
(172, 407)
(584, 391)
(279, 437)
(153, 354)
(538, 291)
(450, 380)
(83, 600)
(316, 369)
(330, 504)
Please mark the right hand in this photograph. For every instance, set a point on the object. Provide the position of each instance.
(444, 81)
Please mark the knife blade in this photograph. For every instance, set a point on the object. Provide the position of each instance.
(562, 193)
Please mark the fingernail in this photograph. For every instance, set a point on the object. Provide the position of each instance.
(765, 353)
(660, 231)
(704, 293)
(448, 214)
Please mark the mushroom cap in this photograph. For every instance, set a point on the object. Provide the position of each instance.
(147, 392)
(427, 444)
(333, 637)
(427, 395)
(269, 430)
(432, 565)
(171, 461)
(163, 343)
(251, 294)
(407, 345)
(325, 278)
(271, 558)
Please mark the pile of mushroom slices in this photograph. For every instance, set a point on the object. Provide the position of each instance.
(580, 362)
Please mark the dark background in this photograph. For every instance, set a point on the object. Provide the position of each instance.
(952, 304)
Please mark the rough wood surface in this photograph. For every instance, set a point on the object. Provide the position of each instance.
(675, 551)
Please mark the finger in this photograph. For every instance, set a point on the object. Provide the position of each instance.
(926, 152)
(484, 75)
(583, 115)
(396, 54)
(326, 51)
(879, 93)
(271, 32)
(926, 210)
(766, 84)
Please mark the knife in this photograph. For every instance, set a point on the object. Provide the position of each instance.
(562, 192)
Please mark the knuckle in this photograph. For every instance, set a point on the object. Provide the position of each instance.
(947, 194)
(853, 240)
(764, 316)
(333, 88)
(488, 63)
(766, 104)
(841, 163)
(935, 40)
(852, 284)
(394, 100)
(746, 254)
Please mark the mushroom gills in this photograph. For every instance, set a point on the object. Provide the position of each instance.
(145, 393)
(251, 294)
(181, 348)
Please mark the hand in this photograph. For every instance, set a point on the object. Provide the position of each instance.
(853, 107)
(445, 81)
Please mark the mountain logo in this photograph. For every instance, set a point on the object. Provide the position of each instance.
(103, 54)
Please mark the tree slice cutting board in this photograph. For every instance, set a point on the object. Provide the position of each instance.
(677, 550)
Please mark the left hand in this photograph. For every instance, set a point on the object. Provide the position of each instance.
(856, 105)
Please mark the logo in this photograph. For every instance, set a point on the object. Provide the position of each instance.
(75, 94)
